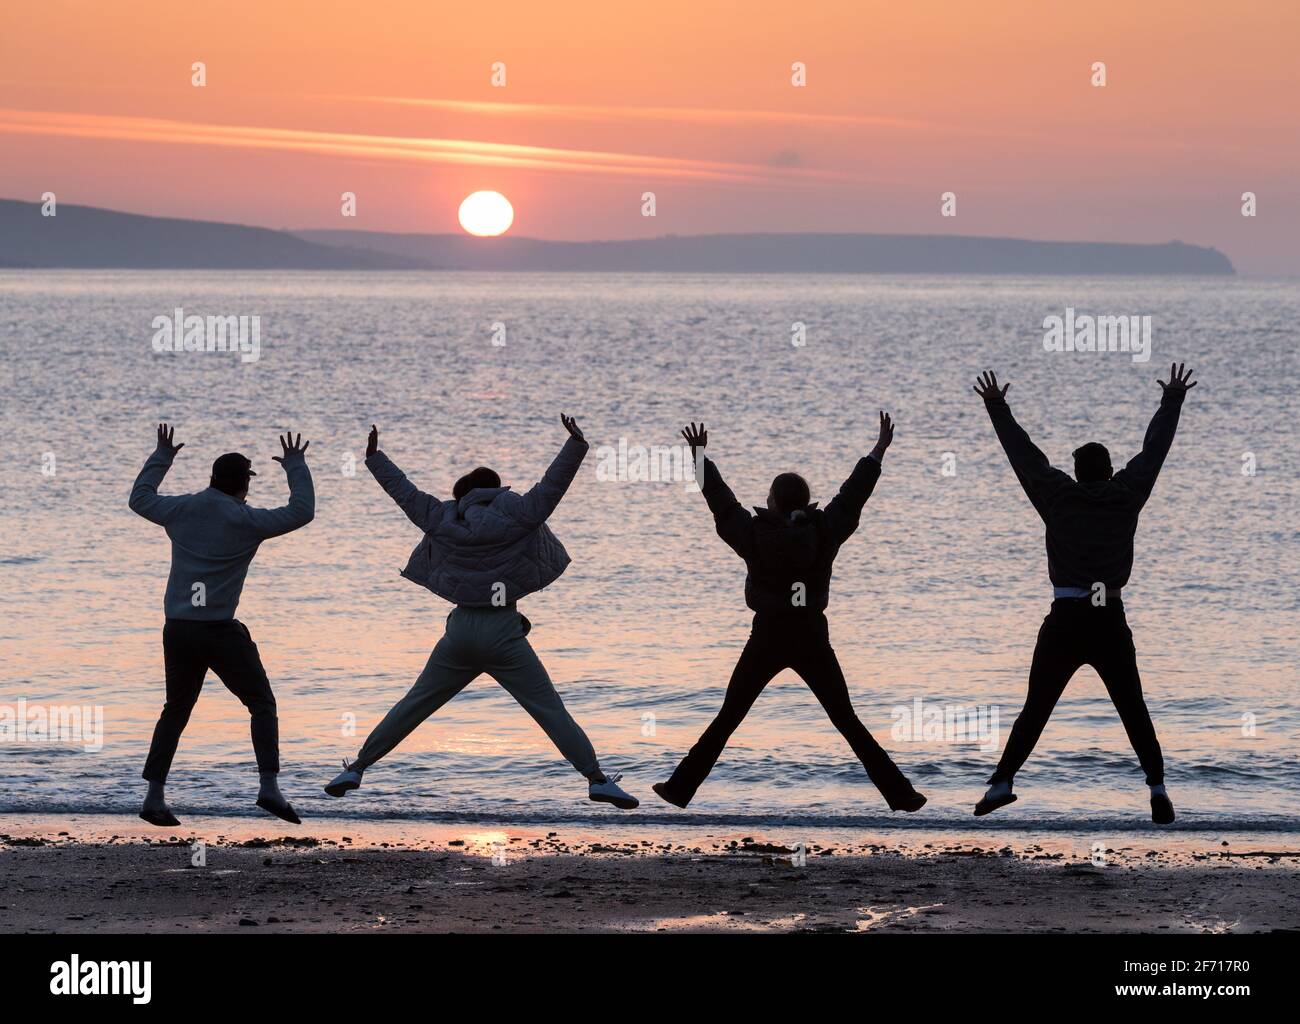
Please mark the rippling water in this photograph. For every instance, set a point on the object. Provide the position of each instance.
(937, 598)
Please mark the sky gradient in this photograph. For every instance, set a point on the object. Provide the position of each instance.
(691, 101)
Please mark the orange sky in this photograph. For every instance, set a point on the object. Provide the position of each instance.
(693, 101)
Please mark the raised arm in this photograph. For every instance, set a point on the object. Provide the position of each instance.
(541, 499)
(1141, 472)
(301, 510)
(845, 509)
(417, 505)
(1040, 479)
(734, 523)
(145, 499)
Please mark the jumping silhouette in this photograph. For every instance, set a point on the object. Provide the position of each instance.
(214, 536)
(789, 548)
(483, 551)
(1090, 524)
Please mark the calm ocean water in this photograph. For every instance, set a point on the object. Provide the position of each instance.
(936, 599)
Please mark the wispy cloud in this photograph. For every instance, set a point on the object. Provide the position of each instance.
(614, 114)
(1065, 136)
(403, 148)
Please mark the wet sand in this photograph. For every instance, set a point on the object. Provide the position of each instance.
(108, 875)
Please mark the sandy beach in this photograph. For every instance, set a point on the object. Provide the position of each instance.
(85, 875)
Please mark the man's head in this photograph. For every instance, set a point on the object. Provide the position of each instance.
(789, 493)
(481, 477)
(230, 475)
(1092, 463)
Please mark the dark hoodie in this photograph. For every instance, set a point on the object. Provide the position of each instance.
(1090, 526)
(781, 551)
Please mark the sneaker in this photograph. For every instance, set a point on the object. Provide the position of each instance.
(914, 801)
(164, 817)
(280, 807)
(608, 792)
(999, 795)
(348, 778)
(1162, 809)
(666, 794)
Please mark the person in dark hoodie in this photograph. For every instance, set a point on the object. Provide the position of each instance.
(1091, 521)
(483, 550)
(789, 548)
(214, 535)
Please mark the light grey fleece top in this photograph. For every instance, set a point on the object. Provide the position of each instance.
(214, 537)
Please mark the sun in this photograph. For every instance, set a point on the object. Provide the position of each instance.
(486, 214)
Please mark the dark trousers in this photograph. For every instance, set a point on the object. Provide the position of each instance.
(190, 648)
(1075, 633)
(800, 642)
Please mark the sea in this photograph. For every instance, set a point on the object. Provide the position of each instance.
(935, 601)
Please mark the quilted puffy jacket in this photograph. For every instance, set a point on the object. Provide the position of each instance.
(493, 546)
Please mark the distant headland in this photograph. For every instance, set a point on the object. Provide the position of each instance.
(87, 237)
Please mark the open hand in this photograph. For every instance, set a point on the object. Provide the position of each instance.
(571, 425)
(165, 435)
(886, 432)
(372, 442)
(290, 446)
(990, 391)
(1178, 380)
(696, 437)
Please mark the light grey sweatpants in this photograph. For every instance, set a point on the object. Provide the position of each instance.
(479, 640)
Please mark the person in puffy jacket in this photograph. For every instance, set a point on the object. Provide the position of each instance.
(788, 548)
(483, 550)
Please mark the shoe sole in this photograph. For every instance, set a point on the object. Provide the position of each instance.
(342, 788)
(271, 808)
(159, 822)
(622, 803)
(913, 809)
(989, 806)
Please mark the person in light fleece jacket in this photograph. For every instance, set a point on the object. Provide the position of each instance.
(214, 534)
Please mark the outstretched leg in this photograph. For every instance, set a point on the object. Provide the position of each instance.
(235, 659)
(237, 663)
(759, 662)
(1116, 663)
(185, 661)
(820, 669)
(447, 672)
(517, 668)
(1056, 659)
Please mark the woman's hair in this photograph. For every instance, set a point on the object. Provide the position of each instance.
(481, 477)
(790, 492)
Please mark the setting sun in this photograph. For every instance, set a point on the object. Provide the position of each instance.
(486, 213)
